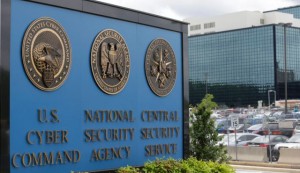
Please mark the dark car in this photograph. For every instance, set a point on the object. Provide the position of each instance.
(283, 127)
(265, 129)
(263, 141)
(287, 126)
(222, 125)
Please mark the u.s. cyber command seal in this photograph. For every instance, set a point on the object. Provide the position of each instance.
(110, 61)
(46, 54)
(160, 67)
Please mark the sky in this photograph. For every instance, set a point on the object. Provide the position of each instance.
(181, 9)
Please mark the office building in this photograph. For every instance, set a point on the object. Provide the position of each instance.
(239, 57)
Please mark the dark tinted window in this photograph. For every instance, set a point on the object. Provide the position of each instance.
(237, 67)
(289, 116)
(250, 137)
(243, 138)
(272, 126)
(278, 139)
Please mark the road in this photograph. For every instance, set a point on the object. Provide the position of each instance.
(254, 169)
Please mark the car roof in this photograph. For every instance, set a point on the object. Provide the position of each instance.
(256, 125)
(240, 134)
(272, 136)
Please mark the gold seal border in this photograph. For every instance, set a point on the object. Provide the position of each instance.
(28, 31)
(95, 71)
(169, 89)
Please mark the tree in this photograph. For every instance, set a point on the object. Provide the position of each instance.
(204, 136)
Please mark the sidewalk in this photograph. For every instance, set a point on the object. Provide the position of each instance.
(265, 164)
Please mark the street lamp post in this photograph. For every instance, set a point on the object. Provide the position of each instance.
(205, 74)
(265, 121)
(269, 91)
(285, 72)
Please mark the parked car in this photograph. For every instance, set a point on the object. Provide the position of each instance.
(256, 129)
(287, 126)
(222, 125)
(278, 115)
(241, 139)
(252, 121)
(293, 142)
(271, 127)
(283, 127)
(263, 141)
(239, 129)
(297, 129)
(293, 115)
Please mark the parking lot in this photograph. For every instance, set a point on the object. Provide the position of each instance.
(260, 135)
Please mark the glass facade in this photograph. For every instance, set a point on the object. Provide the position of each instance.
(293, 62)
(239, 67)
(293, 10)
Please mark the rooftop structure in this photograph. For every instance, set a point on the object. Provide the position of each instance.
(239, 57)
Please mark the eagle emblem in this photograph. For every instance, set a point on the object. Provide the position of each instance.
(110, 61)
(47, 61)
(46, 54)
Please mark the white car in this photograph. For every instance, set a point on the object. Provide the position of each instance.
(293, 142)
(297, 129)
(241, 139)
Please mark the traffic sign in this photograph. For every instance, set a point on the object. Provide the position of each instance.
(234, 121)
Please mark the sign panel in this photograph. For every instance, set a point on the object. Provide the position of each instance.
(234, 121)
(79, 99)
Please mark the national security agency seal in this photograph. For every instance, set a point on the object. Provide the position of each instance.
(160, 67)
(46, 54)
(110, 61)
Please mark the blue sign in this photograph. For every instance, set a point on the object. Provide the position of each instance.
(76, 126)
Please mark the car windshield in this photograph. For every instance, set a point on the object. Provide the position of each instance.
(297, 127)
(220, 123)
(272, 126)
(255, 127)
(294, 138)
(261, 139)
(289, 116)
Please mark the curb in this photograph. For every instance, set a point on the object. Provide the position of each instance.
(269, 169)
(262, 164)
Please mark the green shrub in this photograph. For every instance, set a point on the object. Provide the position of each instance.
(203, 133)
(191, 165)
(128, 169)
(162, 166)
(220, 168)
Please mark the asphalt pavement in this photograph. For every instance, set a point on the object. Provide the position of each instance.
(257, 169)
